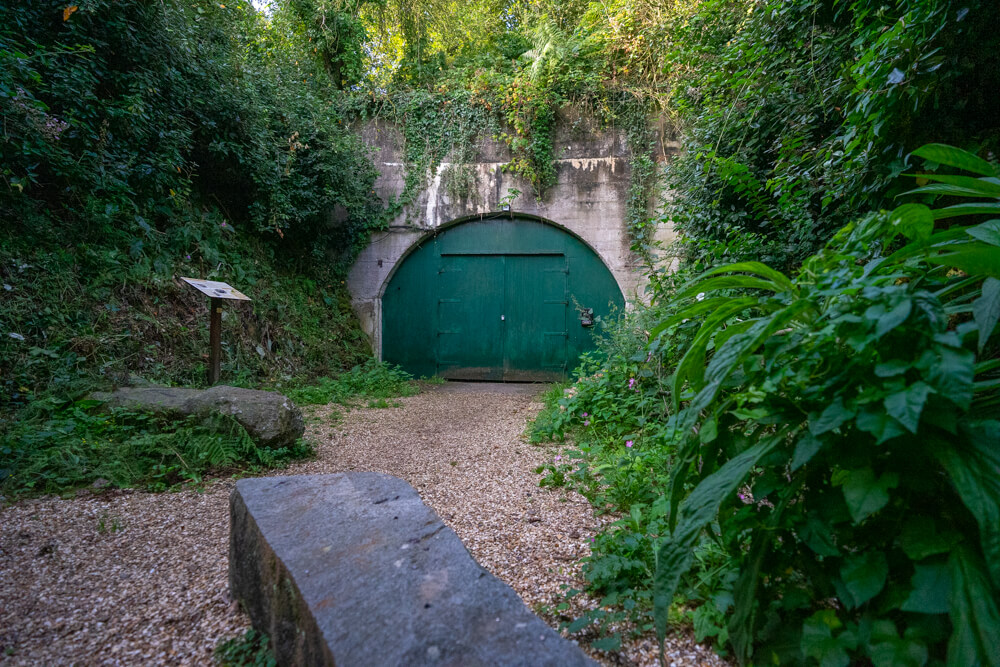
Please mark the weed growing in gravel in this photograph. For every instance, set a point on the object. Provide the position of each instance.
(108, 524)
(252, 649)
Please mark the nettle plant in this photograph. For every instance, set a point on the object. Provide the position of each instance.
(842, 441)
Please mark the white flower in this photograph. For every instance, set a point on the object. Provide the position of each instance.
(16, 336)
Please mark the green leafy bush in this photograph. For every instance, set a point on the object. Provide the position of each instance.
(149, 141)
(843, 435)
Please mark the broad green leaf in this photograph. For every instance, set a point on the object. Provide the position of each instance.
(886, 649)
(728, 282)
(986, 310)
(912, 250)
(914, 221)
(759, 268)
(985, 187)
(987, 232)
(612, 643)
(865, 493)
(931, 590)
(972, 208)
(674, 556)
(887, 321)
(973, 464)
(956, 157)
(690, 312)
(805, 449)
(952, 375)
(864, 576)
(691, 367)
(945, 189)
(975, 259)
(875, 421)
(974, 616)
(738, 348)
(818, 641)
(920, 538)
(818, 536)
(892, 368)
(905, 406)
(731, 330)
(832, 417)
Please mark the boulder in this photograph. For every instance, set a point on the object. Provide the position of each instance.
(354, 569)
(271, 419)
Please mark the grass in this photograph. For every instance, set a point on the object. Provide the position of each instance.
(56, 446)
(372, 380)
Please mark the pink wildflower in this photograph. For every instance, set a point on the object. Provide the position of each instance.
(628, 443)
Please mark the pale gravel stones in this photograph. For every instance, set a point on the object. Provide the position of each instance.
(155, 592)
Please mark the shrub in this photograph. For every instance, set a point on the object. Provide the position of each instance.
(854, 408)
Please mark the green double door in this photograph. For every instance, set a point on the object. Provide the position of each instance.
(496, 299)
(502, 317)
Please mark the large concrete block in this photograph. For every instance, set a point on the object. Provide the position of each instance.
(354, 569)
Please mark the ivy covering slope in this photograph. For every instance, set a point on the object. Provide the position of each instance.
(144, 141)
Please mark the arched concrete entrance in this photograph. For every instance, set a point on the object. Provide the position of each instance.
(502, 298)
(590, 199)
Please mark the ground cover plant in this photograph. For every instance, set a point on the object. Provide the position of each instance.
(65, 445)
(373, 380)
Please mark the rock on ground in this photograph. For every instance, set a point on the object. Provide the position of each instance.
(355, 569)
(271, 419)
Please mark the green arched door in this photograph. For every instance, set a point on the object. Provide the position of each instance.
(496, 299)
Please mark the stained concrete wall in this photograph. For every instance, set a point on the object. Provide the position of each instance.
(589, 199)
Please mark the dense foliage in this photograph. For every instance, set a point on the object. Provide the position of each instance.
(143, 141)
(69, 444)
(800, 113)
(834, 433)
(808, 476)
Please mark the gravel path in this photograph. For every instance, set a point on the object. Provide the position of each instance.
(136, 578)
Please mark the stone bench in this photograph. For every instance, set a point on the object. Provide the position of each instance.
(353, 569)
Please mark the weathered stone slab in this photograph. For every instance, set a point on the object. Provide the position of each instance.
(354, 569)
(271, 419)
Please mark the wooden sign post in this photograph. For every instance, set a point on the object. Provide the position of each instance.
(218, 292)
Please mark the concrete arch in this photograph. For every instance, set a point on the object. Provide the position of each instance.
(589, 200)
(499, 215)
(379, 262)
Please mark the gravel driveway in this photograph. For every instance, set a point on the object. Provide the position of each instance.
(135, 578)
